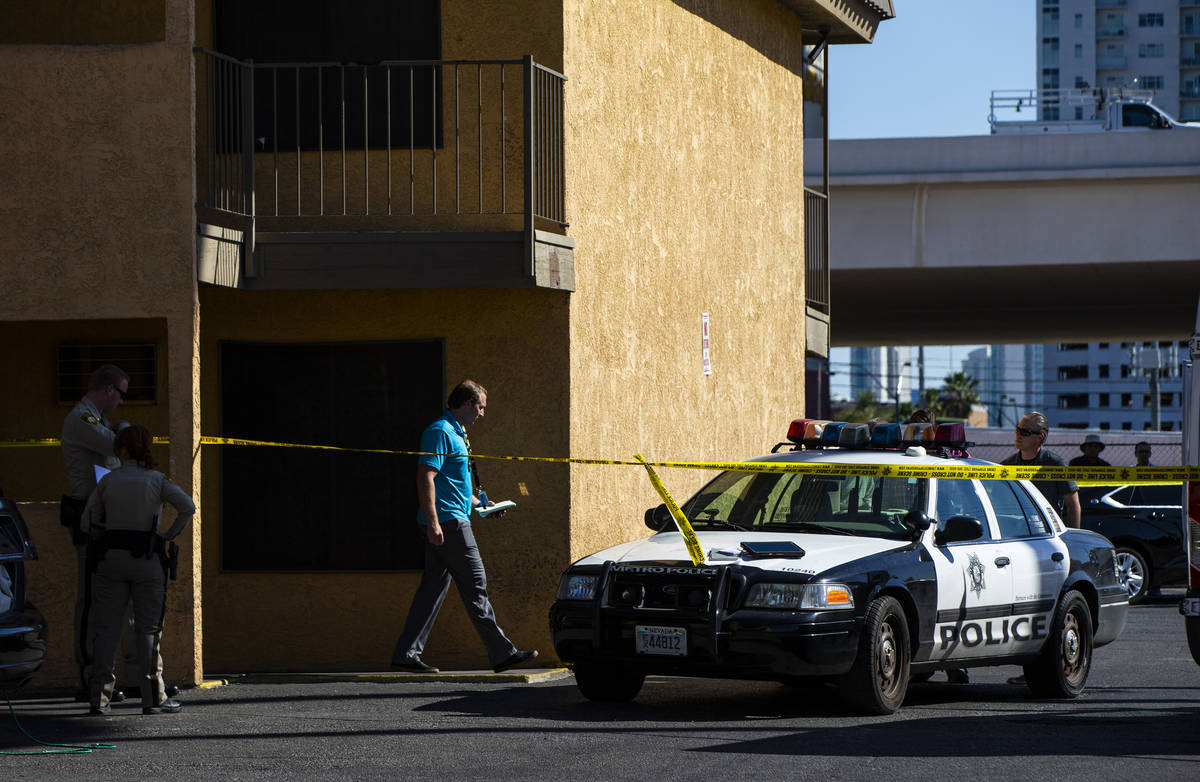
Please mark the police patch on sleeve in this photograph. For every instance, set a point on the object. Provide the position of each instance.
(90, 419)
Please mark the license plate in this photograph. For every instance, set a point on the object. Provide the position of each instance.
(652, 639)
(1190, 606)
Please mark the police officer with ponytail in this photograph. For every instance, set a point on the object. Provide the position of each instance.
(127, 560)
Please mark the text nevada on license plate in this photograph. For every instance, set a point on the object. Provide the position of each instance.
(654, 639)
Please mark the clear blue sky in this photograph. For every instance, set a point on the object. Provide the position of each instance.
(930, 72)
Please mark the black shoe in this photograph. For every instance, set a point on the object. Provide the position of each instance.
(414, 665)
(166, 707)
(958, 676)
(96, 711)
(171, 690)
(516, 659)
(1017, 681)
(117, 696)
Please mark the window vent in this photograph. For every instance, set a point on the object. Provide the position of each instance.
(77, 361)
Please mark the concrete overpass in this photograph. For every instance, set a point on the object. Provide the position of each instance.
(1075, 237)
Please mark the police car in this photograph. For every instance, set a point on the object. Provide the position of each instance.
(868, 580)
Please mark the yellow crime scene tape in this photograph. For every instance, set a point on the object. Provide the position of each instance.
(1097, 476)
(1084, 476)
(685, 528)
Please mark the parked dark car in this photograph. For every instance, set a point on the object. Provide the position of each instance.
(23, 633)
(1145, 524)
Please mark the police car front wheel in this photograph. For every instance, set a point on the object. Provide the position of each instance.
(878, 681)
(1063, 666)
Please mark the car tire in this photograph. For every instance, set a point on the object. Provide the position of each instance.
(1062, 668)
(1133, 569)
(608, 683)
(878, 681)
(1191, 626)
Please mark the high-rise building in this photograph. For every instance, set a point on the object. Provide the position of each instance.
(1114, 385)
(883, 371)
(1010, 380)
(1147, 44)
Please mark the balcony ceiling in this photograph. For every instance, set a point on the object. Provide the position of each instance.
(848, 21)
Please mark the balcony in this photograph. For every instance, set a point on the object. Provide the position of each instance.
(425, 173)
(1110, 63)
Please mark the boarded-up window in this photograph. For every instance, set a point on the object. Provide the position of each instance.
(302, 509)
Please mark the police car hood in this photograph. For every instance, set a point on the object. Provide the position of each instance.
(821, 552)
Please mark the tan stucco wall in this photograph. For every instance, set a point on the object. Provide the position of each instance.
(684, 188)
(513, 342)
(98, 224)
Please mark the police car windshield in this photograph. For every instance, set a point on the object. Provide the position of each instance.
(820, 504)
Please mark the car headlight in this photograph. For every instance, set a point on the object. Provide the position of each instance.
(800, 597)
(577, 587)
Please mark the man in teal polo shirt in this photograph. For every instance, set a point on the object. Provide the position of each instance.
(445, 498)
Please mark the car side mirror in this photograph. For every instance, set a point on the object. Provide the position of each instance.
(917, 522)
(658, 518)
(957, 529)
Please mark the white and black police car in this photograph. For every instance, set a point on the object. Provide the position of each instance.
(868, 582)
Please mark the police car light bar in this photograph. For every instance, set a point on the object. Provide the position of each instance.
(796, 430)
(832, 433)
(820, 434)
(853, 436)
(885, 436)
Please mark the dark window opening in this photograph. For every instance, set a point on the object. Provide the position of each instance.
(296, 509)
(1079, 372)
(308, 107)
(1072, 401)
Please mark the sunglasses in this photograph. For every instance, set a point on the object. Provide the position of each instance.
(1028, 432)
(120, 393)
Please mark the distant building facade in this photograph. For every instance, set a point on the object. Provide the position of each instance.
(1010, 380)
(1149, 44)
(1109, 385)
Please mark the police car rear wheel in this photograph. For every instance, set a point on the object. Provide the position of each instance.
(878, 681)
(1062, 670)
(608, 683)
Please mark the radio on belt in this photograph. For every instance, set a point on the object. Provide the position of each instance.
(863, 558)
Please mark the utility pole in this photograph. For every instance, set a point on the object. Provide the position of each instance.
(1150, 362)
(921, 375)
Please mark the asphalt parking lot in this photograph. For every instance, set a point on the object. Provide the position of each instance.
(1140, 716)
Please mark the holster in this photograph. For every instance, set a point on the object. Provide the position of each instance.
(70, 512)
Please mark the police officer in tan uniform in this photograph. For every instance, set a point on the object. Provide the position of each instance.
(87, 442)
(129, 563)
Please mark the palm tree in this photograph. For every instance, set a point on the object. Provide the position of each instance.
(957, 394)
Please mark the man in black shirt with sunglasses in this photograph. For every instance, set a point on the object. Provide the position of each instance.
(1063, 495)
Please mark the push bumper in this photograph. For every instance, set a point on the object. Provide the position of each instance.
(745, 644)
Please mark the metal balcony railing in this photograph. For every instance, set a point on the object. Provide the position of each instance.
(816, 250)
(398, 139)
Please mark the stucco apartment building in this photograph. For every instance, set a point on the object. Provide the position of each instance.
(296, 223)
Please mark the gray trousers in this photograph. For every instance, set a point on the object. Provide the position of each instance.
(118, 579)
(83, 654)
(458, 559)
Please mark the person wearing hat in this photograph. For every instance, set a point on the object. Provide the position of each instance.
(1091, 447)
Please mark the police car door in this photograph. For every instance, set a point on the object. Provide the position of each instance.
(1038, 561)
(974, 582)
